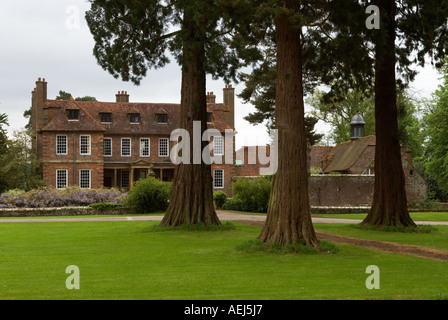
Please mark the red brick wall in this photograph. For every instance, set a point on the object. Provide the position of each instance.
(229, 173)
(73, 161)
(135, 149)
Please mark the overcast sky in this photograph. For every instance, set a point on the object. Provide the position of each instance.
(50, 39)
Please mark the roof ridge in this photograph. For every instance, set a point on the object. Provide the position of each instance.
(89, 115)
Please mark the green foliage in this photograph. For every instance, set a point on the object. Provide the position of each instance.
(3, 150)
(315, 170)
(104, 206)
(234, 203)
(220, 197)
(63, 95)
(162, 28)
(339, 111)
(18, 167)
(250, 194)
(149, 195)
(435, 160)
(66, 96)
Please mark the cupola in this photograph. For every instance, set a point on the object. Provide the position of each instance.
(357, 127)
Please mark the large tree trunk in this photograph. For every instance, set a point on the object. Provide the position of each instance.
(289, 214)
(389, 200)
(191, 199)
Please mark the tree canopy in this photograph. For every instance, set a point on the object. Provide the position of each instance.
(436, 129)
(132, 37)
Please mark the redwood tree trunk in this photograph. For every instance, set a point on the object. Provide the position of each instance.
(389, 200)
(289, 214)
(191, 199)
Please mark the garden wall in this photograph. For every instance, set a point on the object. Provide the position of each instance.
(341, 190)
(357, 190)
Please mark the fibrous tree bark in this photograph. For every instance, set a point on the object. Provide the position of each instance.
(191, 200)
(289, 214)
(389, 205)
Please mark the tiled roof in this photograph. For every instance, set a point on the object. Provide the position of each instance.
(317, 154)
(342, 157)
(90, 120)
(60, 122)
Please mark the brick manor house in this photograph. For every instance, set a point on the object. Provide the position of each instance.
(113, 144)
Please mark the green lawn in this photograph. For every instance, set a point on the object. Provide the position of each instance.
(124, 260)
(437, 240)
(416, 216)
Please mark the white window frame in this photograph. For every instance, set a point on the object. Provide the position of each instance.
(58, 179)
(81, 171)
(104, 147)
(167, 147)
(58, 145)
(218, 145)
(130, 147)
(89, 145)
(144, 148)
(216, 179)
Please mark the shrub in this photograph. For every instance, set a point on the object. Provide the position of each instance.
(250, 194)
(234, 204)
(50, 198)
(149, 195)
(220, 197)
(104, 206)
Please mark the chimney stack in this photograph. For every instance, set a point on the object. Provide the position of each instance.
(229, 103)
(39, 112)
(41, 90)
(211, 98)
(122, 96)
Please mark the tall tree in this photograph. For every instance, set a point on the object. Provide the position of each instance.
(436, 129)
(19, 165)
(389, 200)
(423, 28)
(3, 148)
(133, 36)
(289, 215)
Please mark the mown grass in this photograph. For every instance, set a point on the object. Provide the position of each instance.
(416, 216)
(437, 238)
(126, 260)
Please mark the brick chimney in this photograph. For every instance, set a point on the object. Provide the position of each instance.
(229, 103)
(39, 116)
(211, 98)
(39, 113)
(122, 96)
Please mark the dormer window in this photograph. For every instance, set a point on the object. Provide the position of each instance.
(106, 117)
(73, 115)
(134, 117)
(162, 118)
